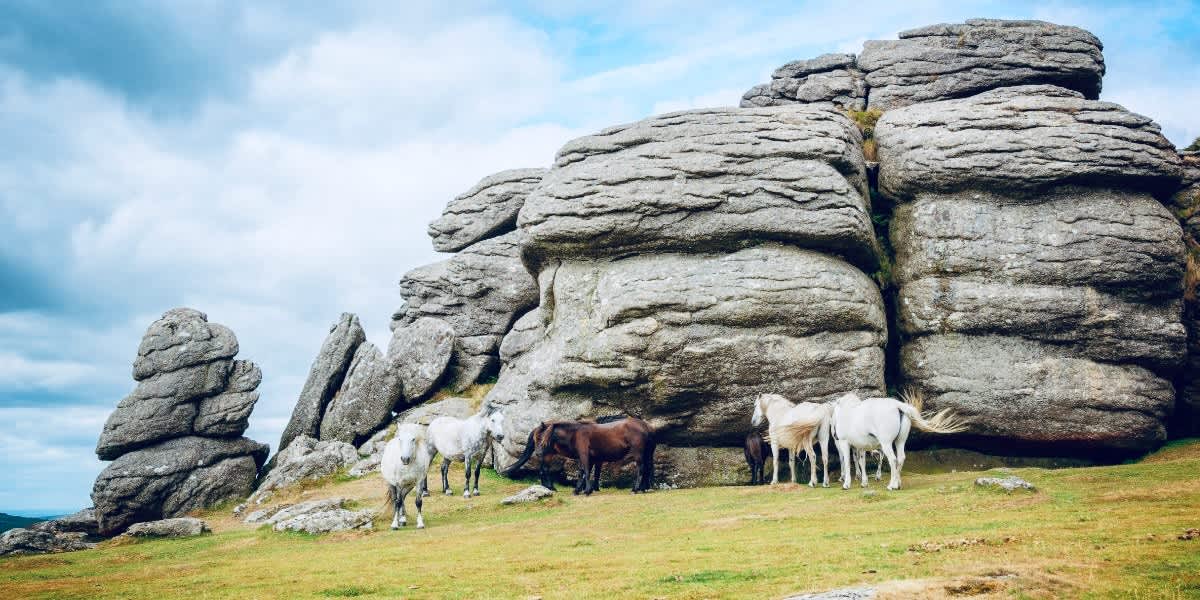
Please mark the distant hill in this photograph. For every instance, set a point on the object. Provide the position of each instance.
(8, 521)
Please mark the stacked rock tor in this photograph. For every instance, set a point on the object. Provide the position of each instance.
(176, 439)
(482, 289)
(687, 263)
(1039, 274)
(353, 388)
(940, 62)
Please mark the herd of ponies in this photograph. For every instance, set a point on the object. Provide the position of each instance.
(856, 426)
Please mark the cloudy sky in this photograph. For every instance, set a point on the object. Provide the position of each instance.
(276, 163)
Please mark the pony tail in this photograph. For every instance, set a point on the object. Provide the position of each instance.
(943, 421)
(390, 499)
(529, 446)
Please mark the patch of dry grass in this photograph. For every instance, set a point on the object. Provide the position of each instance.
(1102, 532)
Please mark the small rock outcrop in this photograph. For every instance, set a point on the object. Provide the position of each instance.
(479, 292)
(532, 493)
(304, 459)
(38, 541)
(325, 378)
(168, 528)
(1009, 484)
(487, 210)
(320, 516)
(176, 441)
(1038, 274)
(83, 521)
(830, 78)
(691, 261)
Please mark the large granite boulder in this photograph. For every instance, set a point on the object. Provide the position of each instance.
(188, 384)
(1021, 139)
(1039, 276)
(376, 385)
(706, 180)
(173, 478)
(176, 439)
(304, 459)
(325, 378)
(486, 210)
(321, 516)
(945, 61)
(168, 528)
(83, 521)
(833, 78)
(689, 262)
(479, 292)
(364, 402)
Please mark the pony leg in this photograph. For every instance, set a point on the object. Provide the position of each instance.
(478, 466)
(401, 493)
(879, 468)
(648, 465)
(894, 480)
(825, 454)
(812, 464)
(446, 476)
(419, 501)
(394, 496)
(425, 484)
(596, 477)
(862, 467)
(843, 448)
(467, 467)
(795, 452)
(774, 462)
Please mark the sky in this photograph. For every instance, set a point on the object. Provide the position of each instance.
(275, 163)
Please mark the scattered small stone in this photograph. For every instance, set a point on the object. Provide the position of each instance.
(925, 547)
(861, 593)
(532, 493)
(168, 528)
(1008, 484)
(1190, 534)
(239, 509)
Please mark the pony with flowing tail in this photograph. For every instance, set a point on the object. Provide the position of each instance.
(794, 427)
(883, 424)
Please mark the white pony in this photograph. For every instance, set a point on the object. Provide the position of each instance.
(794, 427)
(465, 440)
(883, 424)
(404, 465)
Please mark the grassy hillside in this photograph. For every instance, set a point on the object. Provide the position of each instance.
(8, 521)
(1102, 532)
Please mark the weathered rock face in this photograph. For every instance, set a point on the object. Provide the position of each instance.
(953, 61)
(487, 210)
(174, 477)
(1021, 139)
(325, 378)
(681, 272)
(1039, 277)
(363, 404)
(176, 439)
(706, 180)
(305, 458)
(830, 78)
(188, 383)
(377, 385)
(83, 521)
(479, 292)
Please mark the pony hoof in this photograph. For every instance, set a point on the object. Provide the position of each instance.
(475, 493)
(466, 495)
(420, 526)
(448, 493)
(395, 527)
(825, 485)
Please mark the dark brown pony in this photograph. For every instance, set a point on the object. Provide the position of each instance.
(757, 451)
(591, 444)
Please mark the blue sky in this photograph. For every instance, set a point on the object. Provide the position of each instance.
(276, 163)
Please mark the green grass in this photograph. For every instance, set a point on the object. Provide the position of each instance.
(1098, 532)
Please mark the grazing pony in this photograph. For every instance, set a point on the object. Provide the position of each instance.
(757, 450)
(466, 440)
(794, 427)
(537, 434)
(595, 442)
(404, 465)
(883, 424)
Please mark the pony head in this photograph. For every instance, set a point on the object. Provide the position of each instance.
(760, 410)
(494, 423)
(410, 436)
